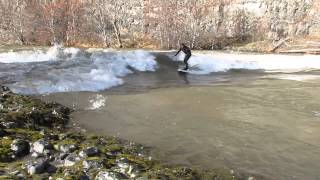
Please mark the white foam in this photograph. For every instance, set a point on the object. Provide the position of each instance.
(56, 52)
(97, 102)
(222, 62)
(102, 70)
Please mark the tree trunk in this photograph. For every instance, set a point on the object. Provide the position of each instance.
(117, 32)
(105, 39)
(22, 39)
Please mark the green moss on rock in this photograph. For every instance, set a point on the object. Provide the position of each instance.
(32, 113)
(5, 149)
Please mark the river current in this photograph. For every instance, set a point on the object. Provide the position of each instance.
(253, 113)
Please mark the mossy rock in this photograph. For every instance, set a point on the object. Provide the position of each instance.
(162, 172)
(28, 134)
(114, 148)
(32, 113)
(5, 149)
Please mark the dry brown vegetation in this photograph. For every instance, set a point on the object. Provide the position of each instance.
(202, 24)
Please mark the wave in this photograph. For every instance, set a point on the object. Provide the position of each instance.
(53, 53)
(222, 62)
(70, 69)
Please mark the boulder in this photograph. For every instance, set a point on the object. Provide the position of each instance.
(89, 152)
(37, 167)
(134, 171)
(131, 169)
(20, 147)
(67, 148)
(41, 147)
(71, 160)
(63, 156)
(10, 125)
(92, 164)
(109, 175)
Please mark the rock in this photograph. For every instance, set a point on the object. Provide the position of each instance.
(3, 132)
(41, 147)
(141, 178)
(37, 167)
(20, 147)
(134, 171)
(63, 156)
(62, 136)
(71, 160)
(84, 177)
(15, 173)
(123, 164)
(18, 175)
(109, 175)
(67, 148)
(10, 125)
(51, 169)
(43, 132)
(92, 164)
(131, 169)
(36, 155)
(54, 137)
(89, 152)
(4, 89)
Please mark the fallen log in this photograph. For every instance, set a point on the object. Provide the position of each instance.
(279, 44)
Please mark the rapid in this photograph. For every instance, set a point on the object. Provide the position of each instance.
(253, 113)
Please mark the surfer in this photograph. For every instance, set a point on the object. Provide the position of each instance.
(187, 51)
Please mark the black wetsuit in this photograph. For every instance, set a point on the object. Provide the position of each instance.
(187, 51)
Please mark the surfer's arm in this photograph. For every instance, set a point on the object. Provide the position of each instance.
(178, 52)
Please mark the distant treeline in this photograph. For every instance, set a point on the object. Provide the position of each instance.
(202, 24)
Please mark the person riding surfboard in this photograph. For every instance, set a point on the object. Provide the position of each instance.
(187, 51)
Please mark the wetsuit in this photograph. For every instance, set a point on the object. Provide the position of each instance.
(187, 51)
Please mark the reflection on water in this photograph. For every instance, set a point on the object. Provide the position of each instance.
(263, 127)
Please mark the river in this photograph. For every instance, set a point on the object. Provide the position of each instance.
(252, 113)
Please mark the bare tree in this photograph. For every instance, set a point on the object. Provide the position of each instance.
(111, 17)
(13, 18)
(166, 23)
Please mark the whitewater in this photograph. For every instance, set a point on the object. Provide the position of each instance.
(60, 69)
(253, 113)
(70, 69)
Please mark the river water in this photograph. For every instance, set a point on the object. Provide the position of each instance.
(255, 114)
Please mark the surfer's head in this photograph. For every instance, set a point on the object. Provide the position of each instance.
(183, 45)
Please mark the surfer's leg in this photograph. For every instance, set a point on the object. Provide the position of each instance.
(186, 61)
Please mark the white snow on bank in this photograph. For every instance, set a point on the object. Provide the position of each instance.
(222, 62)
(99, 71)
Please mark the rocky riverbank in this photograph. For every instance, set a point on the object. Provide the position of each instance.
(36, 143)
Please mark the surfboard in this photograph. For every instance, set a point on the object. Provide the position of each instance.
(189, 70)
(183, 71)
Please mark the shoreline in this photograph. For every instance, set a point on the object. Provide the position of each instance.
(36, 143)
(253, 47)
